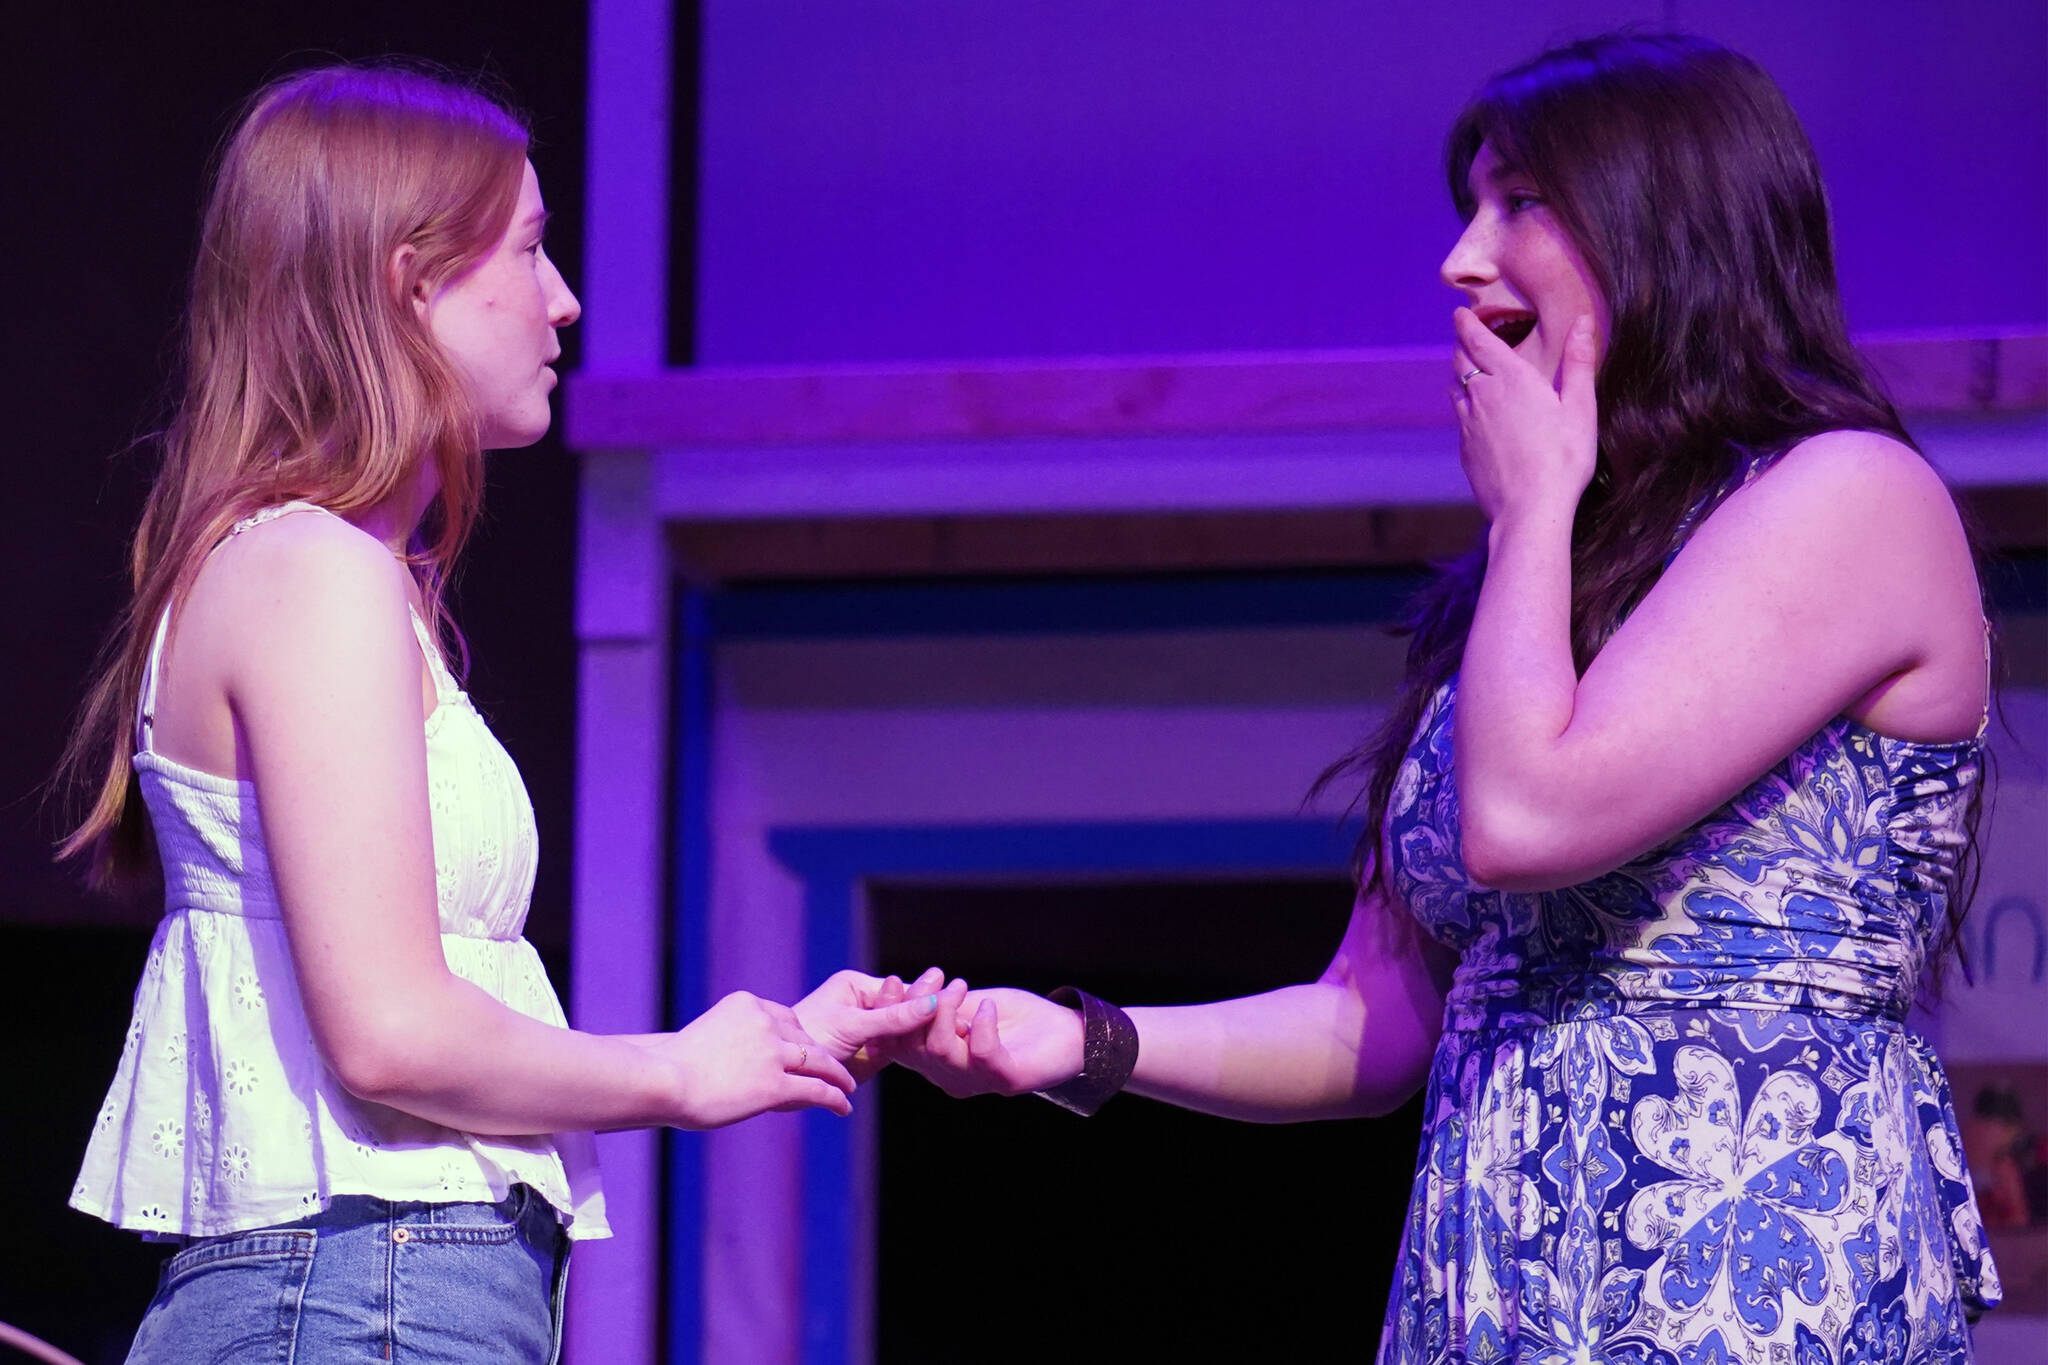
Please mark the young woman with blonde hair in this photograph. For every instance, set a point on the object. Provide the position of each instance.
(348, 1090)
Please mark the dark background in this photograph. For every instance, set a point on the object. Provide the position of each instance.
(1109, 1227)
(113, 112)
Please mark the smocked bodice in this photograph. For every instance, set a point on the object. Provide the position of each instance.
(209, 829)
(1819, 886)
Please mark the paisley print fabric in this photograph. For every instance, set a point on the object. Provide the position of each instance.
(1676, 1117)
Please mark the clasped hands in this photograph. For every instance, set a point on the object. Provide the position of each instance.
(998, 1041)
(747, 1055)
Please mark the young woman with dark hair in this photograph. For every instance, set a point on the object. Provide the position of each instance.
(348, 1093)
(1673, 812)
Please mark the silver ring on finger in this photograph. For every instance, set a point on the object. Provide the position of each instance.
(803, 1056)
(1465, 379)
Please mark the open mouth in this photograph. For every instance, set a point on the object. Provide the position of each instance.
(1513, 328)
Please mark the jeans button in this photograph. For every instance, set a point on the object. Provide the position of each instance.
(401, 1234)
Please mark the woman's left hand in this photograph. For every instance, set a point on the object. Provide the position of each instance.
(1524, 444)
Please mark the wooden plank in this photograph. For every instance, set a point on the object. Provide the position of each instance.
(1166, 395)
(2023, 372)
(2008, 520)
(897, 547)
(1106, 397)
(1941, 373)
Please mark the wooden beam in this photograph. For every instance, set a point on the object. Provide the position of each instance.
(2002, 372)
(2008, 520)
(967, 546)
(1067, 397)
(1957, 373)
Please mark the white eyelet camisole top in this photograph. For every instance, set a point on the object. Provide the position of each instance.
(222, 1115)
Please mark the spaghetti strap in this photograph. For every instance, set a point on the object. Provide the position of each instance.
(145, 703)
(445, 686)
(272, 514)
(1990, 682)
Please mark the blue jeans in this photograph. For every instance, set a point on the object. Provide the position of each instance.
(368, 1280)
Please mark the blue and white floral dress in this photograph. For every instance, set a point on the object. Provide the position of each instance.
(1676, 1117)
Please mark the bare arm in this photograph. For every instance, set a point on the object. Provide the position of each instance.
(1357, 1041)
(324, 688)
(1839, 579)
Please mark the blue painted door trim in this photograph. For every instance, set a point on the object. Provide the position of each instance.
(835, 861)
(689, 974)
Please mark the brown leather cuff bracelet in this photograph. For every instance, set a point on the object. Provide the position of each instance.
(1109, 1053)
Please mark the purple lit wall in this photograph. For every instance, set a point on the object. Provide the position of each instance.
(913, 182)
(942, 182)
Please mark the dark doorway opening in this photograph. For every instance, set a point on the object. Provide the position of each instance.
(1011, 1230)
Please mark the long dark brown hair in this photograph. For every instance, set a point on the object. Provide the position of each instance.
(1690, 189)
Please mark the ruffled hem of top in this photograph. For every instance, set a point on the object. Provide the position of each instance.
(589, 1226)
(223, 1117)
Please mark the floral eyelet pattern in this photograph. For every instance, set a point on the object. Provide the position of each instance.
(238, 1076)
(223, 1114)
(248, 991)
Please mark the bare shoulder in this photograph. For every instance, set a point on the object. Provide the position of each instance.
(1860, 528)
(303, 596)
(287, 610)
(1853, 512)
(1858, 479)
(306, 568)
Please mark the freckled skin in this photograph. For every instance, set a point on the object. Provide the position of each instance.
(1514, 255)
(497, 323)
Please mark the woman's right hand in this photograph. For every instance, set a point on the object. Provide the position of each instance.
(746, 1056)
(999, 1041)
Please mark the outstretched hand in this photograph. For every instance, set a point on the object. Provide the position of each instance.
(1524, 443)
(998, 1041)
(746, 1056)
(848, 1013)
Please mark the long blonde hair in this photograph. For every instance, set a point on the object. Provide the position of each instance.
(306, 371)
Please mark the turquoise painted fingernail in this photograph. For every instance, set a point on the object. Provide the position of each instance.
(931, 1002)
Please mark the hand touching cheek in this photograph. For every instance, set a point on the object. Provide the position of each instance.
(1525, 446)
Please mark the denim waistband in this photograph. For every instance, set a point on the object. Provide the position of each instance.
(523, 1210)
